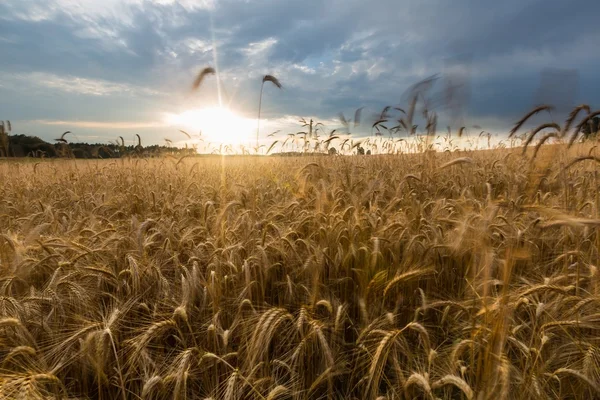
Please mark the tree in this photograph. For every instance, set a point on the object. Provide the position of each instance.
(591, 128)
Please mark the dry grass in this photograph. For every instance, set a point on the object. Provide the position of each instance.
(434, 275)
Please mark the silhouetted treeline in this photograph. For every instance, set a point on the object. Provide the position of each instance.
(591, 128)
(33, 146)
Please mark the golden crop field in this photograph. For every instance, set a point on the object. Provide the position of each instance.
(435, 275)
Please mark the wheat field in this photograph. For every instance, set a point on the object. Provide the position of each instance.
(470, 275)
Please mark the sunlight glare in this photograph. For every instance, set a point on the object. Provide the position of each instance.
(217, 124)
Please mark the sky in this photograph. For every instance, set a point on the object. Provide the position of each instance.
(110, 68)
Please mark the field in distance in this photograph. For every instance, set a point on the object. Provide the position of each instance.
(434, 275)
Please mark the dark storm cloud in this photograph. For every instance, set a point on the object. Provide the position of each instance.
(330, 55)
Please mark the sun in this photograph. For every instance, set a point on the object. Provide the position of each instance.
(216, 124)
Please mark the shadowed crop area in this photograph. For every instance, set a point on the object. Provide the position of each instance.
(435, 275)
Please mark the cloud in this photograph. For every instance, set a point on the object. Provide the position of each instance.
(71, 60)
(102, 124)
(78, 85)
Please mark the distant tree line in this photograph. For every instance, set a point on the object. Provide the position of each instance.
(33, 146)
(591, 128)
